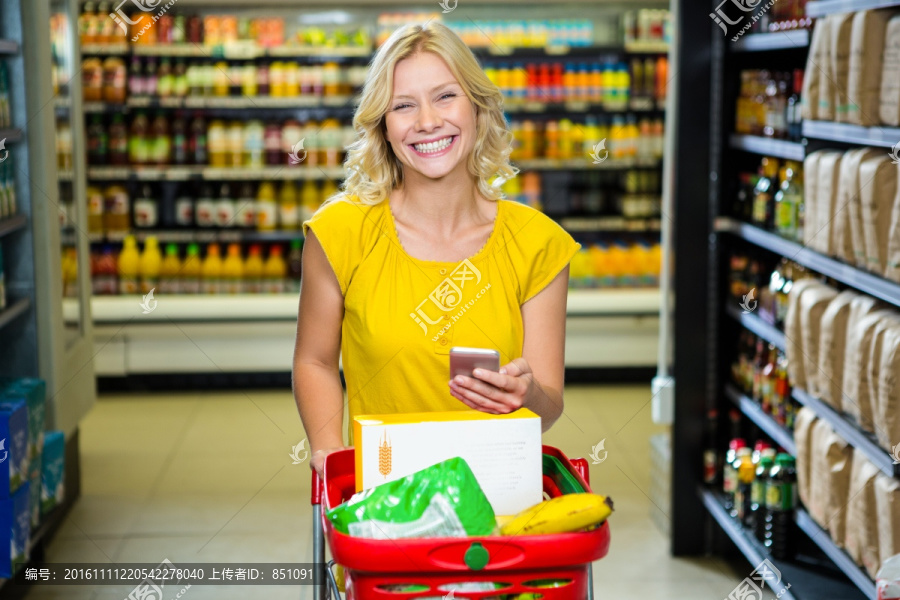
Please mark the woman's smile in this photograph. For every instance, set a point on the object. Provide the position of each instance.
(435, 147)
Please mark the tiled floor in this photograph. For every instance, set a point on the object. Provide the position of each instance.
(201, 477)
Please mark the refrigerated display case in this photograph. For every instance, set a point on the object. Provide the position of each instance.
(250, 83)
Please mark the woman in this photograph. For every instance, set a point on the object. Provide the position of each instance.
(419, 254)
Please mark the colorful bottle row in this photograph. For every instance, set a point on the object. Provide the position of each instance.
(773, 198)
(616, 265)
(507, 33)
(647, 25)
(134, 271)
(609, 84)
(225, 206)
(768, 104)
(760, 371)
(623, 137)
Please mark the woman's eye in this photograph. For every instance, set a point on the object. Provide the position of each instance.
(401, 106)
(447, 95)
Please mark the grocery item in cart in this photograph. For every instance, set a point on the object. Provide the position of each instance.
(563, 514)
(503, 451)
(443, 500)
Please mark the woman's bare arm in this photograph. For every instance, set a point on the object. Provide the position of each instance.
(316, 378)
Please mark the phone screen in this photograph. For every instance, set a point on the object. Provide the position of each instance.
(463, 361)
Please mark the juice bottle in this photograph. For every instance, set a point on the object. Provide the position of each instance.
(245, 216)
(254, 145)
(191, 271)
(235, 144)
(570, 82)
(565, 139)
(138, 142)
(218, 144)
(169, 271)
(206, 207)
(180, 83)
(331, 76)
(253, 270)
(233, 271)
(106, 273)
(95, 209)
(129, 265)
(146, 210)
(165, 82)
(161, 145)
(551, 140)
(745, 471)
(291, 134)
(180, 154)
(288, 207)
(266, 207)
(117, 209)
(211, 273)
(115, 80)
(150, 263)
(225, 207)
(309, 200)
(249, 81)
(221, 84)
(276, 79)
(272, 144)
(118, 141)
(151, 78)
(274, 271)
(291, 79)
(295, 266)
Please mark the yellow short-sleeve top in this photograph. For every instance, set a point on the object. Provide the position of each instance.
(402, 315)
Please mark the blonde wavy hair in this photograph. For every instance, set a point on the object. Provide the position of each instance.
(373, 169)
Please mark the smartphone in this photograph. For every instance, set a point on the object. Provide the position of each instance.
(465, 360)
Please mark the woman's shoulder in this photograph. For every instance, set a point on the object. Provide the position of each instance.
(345, 215)
(523, 220)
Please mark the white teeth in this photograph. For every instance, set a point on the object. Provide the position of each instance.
(433, 146)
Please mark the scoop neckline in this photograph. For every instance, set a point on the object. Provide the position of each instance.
(477, 256)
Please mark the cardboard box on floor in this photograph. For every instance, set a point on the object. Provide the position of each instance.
(503, 451)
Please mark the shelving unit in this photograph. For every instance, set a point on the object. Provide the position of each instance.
(14, 310)
(703, 382)
(779, 434)
(763, 42)
(767, 146)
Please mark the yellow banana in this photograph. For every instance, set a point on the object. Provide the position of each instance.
(563, 514)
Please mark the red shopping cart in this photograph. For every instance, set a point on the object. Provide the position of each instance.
(553, 567)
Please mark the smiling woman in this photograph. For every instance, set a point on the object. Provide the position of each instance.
(419, 253)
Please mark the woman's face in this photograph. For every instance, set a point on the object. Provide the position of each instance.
(430, 122)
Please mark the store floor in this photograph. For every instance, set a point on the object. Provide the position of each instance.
(202, 477)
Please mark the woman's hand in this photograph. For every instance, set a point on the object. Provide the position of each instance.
(318, 458)
(496, 393)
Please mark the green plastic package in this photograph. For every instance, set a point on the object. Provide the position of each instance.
(443, 500)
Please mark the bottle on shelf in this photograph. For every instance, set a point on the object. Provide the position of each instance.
(105, 273)
(746, 470)
(763, 194)
(253, 270)
(129, 266)
(95, 209)
(711, 453)
(170, 271)
(245, 217)
(191, 271)
(98, 141)
(758, 493)
(117, 209)
(729, 473)
(274, 271)
(781, 500)
(211, 274)
(266, 207)
(180, 153)
(295, 266)
(151, 261)
(788, 201)
(146, 209)
(233, 271)
(118, 141)
(198, 149)
(205, 207)
(226, 210)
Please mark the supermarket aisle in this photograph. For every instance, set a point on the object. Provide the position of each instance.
(208, 477)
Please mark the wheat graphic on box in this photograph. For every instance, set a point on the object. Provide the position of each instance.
(384, 455)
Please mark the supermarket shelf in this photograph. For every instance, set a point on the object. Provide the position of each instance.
(9, 47)
(11, 135)
(822, 8)
(856, 437)
(248, 51)
(749, 546)
(865, 282)
(581, 106)
(549, 164)
(611, 224)
(782, 436)
(768, 146)
(752, 322)
(186, 173)
(12, 224)
(238, 102)
(14, 310)
(806, 580)
(607, 302)
(200, 236)
(782, 40)
(66, 175)
(105, 49)
(646, 47)
(852, 134)
(202, 307)
(823, 540)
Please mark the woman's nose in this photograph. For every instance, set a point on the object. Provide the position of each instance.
(428, 119)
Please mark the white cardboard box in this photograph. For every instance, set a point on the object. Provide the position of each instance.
(503, 451)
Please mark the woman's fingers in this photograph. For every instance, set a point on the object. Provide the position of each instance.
(478, 401)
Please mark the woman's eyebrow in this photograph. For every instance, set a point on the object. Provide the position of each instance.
(431, 91)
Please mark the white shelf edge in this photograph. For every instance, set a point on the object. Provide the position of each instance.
(876, 135)
(755, 324)
(767, 146)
